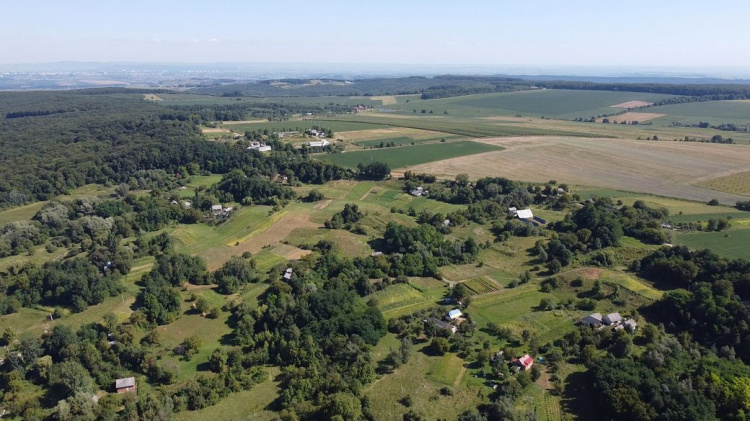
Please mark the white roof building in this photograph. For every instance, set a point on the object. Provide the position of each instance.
(318, 144)
(216, 208)
(525, 214)
(454, 314)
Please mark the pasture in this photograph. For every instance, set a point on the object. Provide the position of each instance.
(713, 112)
(732, 243)
(659, 168)
(404, 157)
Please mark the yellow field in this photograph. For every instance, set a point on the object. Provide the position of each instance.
(151, 97)
(374, 134)
(661, 168)
(632, 104)
(385, 100)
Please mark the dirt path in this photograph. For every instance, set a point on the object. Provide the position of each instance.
(366, 193)
(323, 204)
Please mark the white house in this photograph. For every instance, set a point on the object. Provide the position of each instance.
(419, 191)
(259, 146)
(288, 274)
(216, 209)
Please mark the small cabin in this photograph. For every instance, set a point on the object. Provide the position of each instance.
(125, 385)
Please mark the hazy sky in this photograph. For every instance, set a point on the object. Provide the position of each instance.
(679, 33)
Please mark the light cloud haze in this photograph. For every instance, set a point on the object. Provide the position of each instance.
(686, 33)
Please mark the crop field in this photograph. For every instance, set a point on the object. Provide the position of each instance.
(554, 103)
(737, 183)
(480, 285)
(732, 243)
(630, 117)
(660, 168)
(400, 299)
(713, 112)
(402, 157)
(468, 128)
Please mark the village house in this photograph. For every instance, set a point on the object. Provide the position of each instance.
(261, 147)
(441, 324)
(524, 362)
(216, 209)
(125, 385)
(630, 325)
(612, 319)
(288, 274)
(525, 214)
(594, 320)
(419, 191)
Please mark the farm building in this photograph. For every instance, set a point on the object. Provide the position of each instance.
(612, 319)
(318, 144)
(512, 211)
(419, 191)
(216, 209)
(261, 147)
(441, 324)
(631, 324)
(524, 362)
(594, 320)
(454, 314)
(125, 385)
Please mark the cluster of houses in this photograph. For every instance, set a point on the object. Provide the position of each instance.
(446, 324)
(262, 147)
(316, 133)
(613, 319)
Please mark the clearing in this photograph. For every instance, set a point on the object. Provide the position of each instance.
(660, 168)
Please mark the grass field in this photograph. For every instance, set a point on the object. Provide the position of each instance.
(402, 157)
(733, 243)
(660, 168)
(27, 212)
(400, 299)
(713, 112)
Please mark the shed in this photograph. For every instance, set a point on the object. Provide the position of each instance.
(288, 274)
(524, 362)
(612, 318)
(441, 324)
(125, 385)
(633, 325)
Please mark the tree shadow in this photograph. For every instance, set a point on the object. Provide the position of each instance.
(576, 397)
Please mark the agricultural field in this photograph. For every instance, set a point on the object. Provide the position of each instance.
(713, 112)
(659, 168)
(732, 243)
(552, 103)
(737, 183)
(299, 125)
(403, 157)
(480, 285)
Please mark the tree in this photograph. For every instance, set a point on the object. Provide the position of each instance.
(546, 304)
(70, 377)
(8, 336)
(439, 346)
(373, 171)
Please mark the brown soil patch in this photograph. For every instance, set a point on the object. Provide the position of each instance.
(590, 273)
(632, 104)
(323, 204)
(661, 168)
(544, 380)
(631, 117)
(291, 252)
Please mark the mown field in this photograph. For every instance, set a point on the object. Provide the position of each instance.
(660, 168)
(712, 112)
(401, 157)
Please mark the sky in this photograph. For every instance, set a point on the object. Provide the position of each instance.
(637, 33)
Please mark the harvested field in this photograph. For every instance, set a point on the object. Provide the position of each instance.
(632, 104)
(661, 168)
(631, 117)
(151, 97)
(373, 134)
